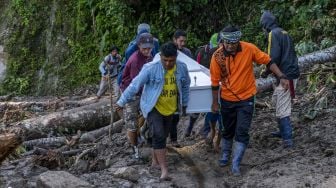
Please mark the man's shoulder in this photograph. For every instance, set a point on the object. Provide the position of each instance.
(247, 45)
(134, 57)
(186, 50)
(107, 58)
(181, 65)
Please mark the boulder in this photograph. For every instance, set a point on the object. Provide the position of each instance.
(60, 179)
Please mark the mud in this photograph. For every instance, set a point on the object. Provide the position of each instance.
(311, 163)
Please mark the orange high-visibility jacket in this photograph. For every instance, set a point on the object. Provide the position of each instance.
(238, 81)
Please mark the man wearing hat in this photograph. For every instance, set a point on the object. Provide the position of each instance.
(133, 66)
(132, 47)
(231, 69)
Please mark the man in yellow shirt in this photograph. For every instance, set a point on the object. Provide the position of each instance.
(165, 86)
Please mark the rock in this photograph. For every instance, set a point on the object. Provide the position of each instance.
(331, 182)
(127, 173)
(17, 183)
(60, 179)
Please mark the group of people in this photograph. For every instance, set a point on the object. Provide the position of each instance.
(159, 90)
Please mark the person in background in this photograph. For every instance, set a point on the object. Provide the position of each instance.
(180, 40)
(165, 86)
(109, 70)
(204, 55)
(133, 47)
(133, 66)
(232, 66)
(281, 49)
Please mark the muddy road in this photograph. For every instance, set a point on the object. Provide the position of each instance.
(102, 163)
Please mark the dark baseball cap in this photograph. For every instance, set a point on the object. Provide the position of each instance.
(145, 40)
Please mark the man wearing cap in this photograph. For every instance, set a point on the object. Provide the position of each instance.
(165, 86)
(132, 47)
(133, 66)
(109, 68)
(282, 51)
(231, 69)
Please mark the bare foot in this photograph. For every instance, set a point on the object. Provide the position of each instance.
(166, 178)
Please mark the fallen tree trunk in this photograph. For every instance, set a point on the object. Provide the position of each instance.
(84, 138)
(41, 106)
(85, 118)
(306, 61)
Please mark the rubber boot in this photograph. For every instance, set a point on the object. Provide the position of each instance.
(238, 153)
(286, 132)
(226, 152)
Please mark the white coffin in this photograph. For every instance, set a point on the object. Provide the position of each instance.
(200, 97)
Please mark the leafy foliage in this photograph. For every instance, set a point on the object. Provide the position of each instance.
(57, 46)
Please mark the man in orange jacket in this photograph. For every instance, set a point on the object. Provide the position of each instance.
(232, 67)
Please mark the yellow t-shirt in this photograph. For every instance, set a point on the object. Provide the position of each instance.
(167, 102)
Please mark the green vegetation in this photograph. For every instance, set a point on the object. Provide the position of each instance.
(56, 46)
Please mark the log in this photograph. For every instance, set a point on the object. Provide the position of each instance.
(8, 143)
(45, 142)
(41, 106)
(87, 137)
(84, 118)
(306, 61)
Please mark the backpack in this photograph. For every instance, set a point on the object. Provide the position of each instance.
(203, 55)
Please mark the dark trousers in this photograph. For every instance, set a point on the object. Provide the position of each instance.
(236, 119)
(173, 128)
(159, 126)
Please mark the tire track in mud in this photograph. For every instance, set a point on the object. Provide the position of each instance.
(198, 175)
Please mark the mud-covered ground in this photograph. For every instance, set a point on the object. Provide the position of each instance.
(311, 163)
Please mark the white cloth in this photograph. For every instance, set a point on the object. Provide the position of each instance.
(282, 100)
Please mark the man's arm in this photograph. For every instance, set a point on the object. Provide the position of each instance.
(215, 74)
(282, 77)
(134, 87)
(215, 105)
(102, 68)
(185, 86)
